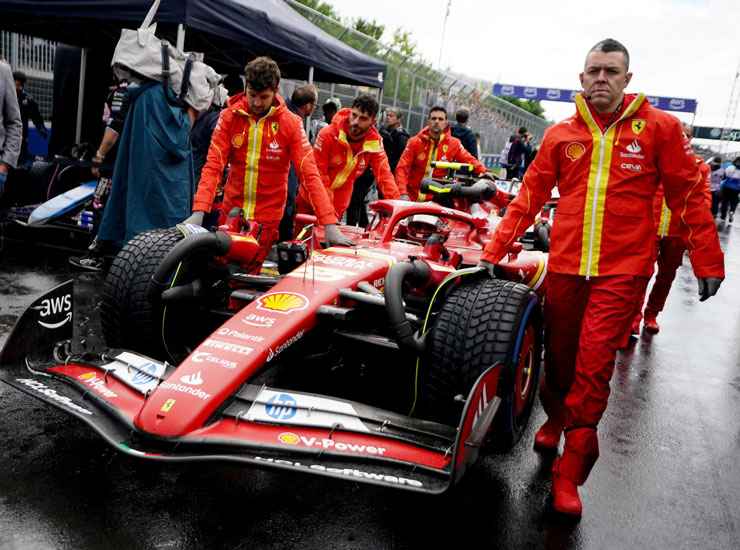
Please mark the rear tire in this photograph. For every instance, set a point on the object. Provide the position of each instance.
(480, 324)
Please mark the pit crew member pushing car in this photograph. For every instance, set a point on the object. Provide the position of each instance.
(432, 143)
(344, 149)
(259, 137)
(606, 160)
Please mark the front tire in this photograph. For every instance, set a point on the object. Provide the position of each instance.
(480, 324)
(130, 320)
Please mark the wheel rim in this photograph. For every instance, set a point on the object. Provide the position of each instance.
(524, 372)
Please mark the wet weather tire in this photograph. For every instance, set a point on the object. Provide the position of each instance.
(480, 324)
(129, 319)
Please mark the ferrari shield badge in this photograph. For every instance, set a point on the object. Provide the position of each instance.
(274, 127)
(638, 125)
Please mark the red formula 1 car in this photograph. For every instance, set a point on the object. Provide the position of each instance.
(388, 363)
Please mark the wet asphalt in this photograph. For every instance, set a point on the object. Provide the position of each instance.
(668, 477)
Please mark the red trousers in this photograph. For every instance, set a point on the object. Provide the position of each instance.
(268, 235)
(585, 323)
(670, 257)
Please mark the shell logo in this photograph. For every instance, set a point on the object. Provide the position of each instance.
(282, 302)
(575, 150)
(288, 438)
(238, 140)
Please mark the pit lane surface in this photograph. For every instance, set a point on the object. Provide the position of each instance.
(669, 476)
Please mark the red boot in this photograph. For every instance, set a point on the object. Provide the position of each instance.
(651, 322)
(572, 469)
(565, 497)
(547, 438)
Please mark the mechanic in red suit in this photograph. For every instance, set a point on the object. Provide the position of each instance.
(606, 160)
(344, 149)
(433, 143)
(669, 248)
(258, 137)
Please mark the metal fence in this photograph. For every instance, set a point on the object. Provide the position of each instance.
(35, 57)
(413, 87)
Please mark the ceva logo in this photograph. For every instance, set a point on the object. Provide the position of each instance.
(677, 103)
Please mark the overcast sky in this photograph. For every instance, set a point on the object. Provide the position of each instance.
(678, 48)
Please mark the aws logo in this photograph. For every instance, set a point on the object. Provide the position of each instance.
(51, 309)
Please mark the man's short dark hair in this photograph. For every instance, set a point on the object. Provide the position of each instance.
(522, 130)
(462, 115)
(610, 45)
(367, 104)
(438, 108)
(395, 110)
(20, 76)
(261, 74)
(303, 95)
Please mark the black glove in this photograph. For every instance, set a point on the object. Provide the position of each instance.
(708, 287)
(488, 266)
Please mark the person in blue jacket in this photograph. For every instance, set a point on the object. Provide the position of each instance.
(153, 182)
(730, 188)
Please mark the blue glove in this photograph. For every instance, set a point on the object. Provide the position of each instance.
(3, 177)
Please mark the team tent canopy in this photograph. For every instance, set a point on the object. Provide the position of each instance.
(228, 32)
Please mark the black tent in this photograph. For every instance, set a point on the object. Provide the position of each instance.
(229, 32)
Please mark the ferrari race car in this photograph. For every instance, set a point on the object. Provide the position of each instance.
(394, 362)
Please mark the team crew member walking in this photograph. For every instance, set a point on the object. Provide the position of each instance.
(343, 151)
(670, 249)
(606, 161)
(433, 143)
(258, 137)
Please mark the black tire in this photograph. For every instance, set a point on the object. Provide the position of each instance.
(482, 323)
(542, 237)
(129, 319)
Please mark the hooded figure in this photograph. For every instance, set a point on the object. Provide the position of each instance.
(153, 181)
